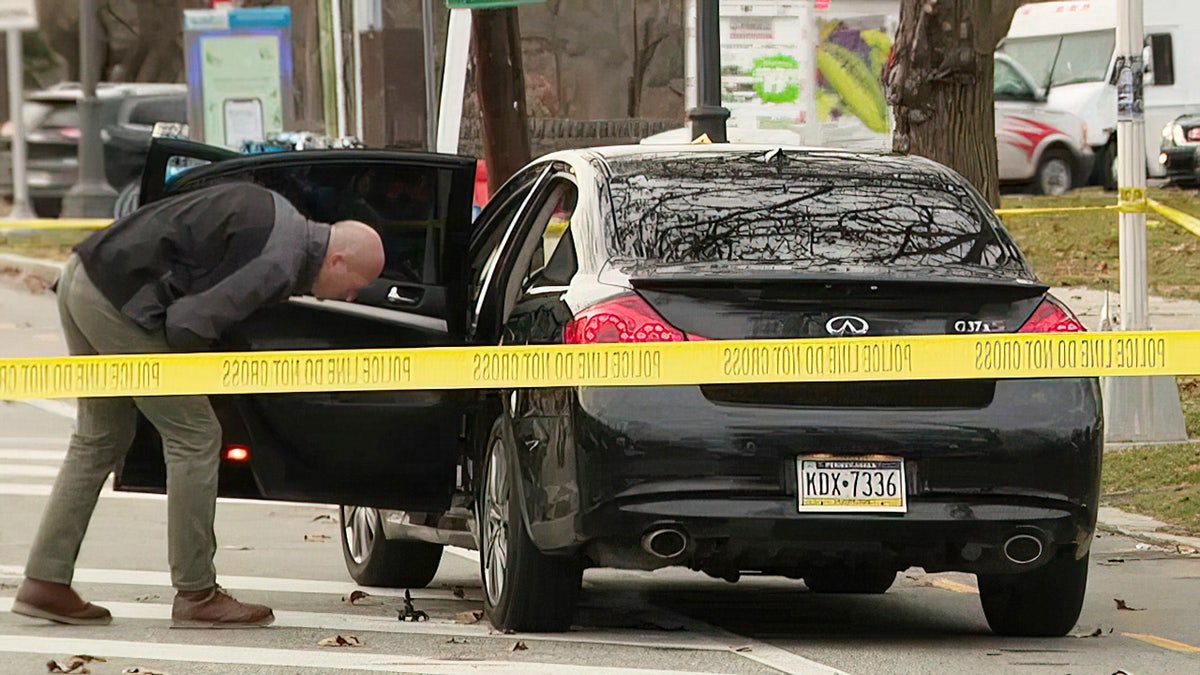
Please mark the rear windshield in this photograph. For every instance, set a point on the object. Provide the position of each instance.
(820, 214)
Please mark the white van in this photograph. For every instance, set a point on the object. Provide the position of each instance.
(1068, 48)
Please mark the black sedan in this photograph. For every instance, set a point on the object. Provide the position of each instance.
(838, 484)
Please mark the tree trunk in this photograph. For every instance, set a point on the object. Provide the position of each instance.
(939, 84)
(500, 83)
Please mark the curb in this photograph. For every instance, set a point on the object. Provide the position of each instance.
(32, 274)
(1145, 529)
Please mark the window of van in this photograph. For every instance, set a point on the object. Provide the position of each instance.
(1074, 58)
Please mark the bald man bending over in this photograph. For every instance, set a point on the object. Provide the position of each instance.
(172, 277)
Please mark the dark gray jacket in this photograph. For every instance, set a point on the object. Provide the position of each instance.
(196, 263)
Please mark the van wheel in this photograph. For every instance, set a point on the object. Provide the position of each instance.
(1054, 173)
(374, 560)
(524, 589)
(1044, 602)
(1106, 166)
(872, 580)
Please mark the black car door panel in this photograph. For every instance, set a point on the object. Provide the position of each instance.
(394, 449)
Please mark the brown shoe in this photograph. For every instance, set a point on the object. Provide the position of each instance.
(214, 608)
(58, 603)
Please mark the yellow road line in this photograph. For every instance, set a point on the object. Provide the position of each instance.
(1164, 643)
(948, 585)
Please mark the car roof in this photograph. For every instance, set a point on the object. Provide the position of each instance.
(613, 157)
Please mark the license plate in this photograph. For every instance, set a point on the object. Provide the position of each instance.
(851, 484)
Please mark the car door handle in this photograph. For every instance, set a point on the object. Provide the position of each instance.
(407, 296)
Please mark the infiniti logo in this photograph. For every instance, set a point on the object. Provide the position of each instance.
(847, 325)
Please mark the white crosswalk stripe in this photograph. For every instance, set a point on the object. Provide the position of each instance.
(28, 470)
(20, 454)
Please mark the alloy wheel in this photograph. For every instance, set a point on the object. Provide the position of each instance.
(362, 531)
(495, 523)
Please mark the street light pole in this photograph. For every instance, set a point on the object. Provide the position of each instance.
(708, 117)
(91, 196)
(21, 209)
(1135, 408)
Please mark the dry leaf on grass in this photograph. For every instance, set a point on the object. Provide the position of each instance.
(340, 641)
(470, 617)
(520, 646)
(316, 537)
(1121, 605)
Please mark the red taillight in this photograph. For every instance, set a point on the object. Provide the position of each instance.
(69, 132)
(237, 453)
(1051, 317)
(624, 319)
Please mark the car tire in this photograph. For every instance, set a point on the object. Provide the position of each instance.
(870, 580)
(1055, 173)
(1044, 602)
(524, 588)
(374, 560)
(1106, 166)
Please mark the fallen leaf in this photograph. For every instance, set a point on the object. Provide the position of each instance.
(340, 641)
(1121, 605)
(520, 646)
(1099, 632)
(141, 671)
(1103, 266)
(470, 617)
(238, 548)
(744, 649)
(356, 596)
(323, 518)
(456, 641)
(76, 665)
(459, 592)
(1178, 247)
(316, 537)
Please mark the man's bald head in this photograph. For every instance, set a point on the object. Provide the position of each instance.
(353, 260)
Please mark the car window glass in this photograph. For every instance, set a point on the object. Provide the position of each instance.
(1009, 85)
(555, 207)
(498, 222)
(1077, 57)
(812, 213)
(407, 205)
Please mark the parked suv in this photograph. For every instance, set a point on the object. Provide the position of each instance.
(1177, 152)
(127, 114)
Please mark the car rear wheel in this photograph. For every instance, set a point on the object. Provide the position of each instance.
(872, 580)
(374, 560)
(1044, 602)
(524, 589)
(1054, 173)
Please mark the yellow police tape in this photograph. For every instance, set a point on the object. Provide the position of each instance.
(57, 224)
(704, 362)
(1187, 222)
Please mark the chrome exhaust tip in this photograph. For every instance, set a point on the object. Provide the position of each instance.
(1022, 549)
(665, 542)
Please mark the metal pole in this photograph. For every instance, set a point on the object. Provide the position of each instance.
(708, 117)
(454, 80)
(431, 102)
(356, 27)
(21, 209)
(1135, 408)
(339, 64)
(91, 196)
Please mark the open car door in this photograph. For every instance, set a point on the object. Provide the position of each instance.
(388, 449)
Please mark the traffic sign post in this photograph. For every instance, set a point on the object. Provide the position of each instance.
(16, 16)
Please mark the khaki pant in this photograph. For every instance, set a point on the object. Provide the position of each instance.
(105, 429)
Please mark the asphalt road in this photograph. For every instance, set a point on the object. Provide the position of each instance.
(288, 556)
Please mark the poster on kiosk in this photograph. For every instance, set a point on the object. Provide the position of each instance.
(239, 74)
